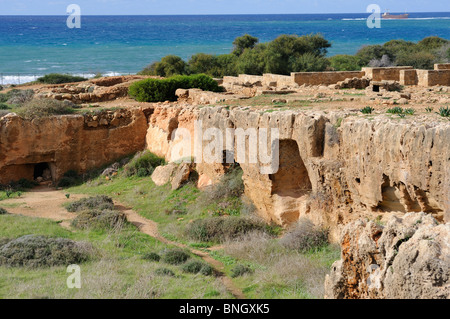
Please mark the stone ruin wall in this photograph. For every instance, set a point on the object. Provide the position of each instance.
(69, 142)
(405, 75)
(330, 175)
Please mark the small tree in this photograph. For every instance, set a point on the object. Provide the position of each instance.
(244, 42)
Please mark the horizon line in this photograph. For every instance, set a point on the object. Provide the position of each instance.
(209, 14)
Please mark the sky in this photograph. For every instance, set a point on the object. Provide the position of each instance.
(159, 7)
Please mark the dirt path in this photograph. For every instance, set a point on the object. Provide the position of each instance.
(42, 202)
(45, 202)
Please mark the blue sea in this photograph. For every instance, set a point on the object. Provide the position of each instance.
(35, 45)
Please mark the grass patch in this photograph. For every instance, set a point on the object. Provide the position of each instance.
(305, 237)
(116, 271)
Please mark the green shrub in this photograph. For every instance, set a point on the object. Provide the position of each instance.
(240, 44)
(55, 78)
(395, 110)
(240, 270)
(168, 66)
(151, 257)
(432, 43)
(99, 219)
(41, 251)
(164, 272)
(367, 110)
(4, 106)
(155, 90)
(444, 111)
(371, 52)
(175, 256)
(3, 211)
(39, 108)
(223, 228)
(192, 267)
(305, 237)
(418, 60)
(195, 267)
(343, 62)
(409, 111)
(206, 270)
(100, 202)
(143, 164)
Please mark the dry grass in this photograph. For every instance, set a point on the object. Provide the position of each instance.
(298, 274)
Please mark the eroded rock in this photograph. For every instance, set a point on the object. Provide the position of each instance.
(408, 258)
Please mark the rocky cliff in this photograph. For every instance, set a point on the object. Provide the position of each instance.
(407, 258)
(69, 142)
(334, 167)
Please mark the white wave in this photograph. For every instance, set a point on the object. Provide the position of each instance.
(17, 79)
(430, 18)
(25, 78)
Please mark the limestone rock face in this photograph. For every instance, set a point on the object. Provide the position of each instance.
(68, 142)
(408, 258)
(163, 174)
(334, 167)
(181, 175)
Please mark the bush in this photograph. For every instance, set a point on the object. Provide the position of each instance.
(195, 267)
(345, 62)
(41, 251)
(100, 202)
(223, 228)
(305, 237)
(230, 185)
(151, 257)
(39, 108)
(143, 164)
(55, 78)
(240, 44)
(175, 256)
(168, 66)
(4, 106)
(367, 110)
(18, 97)
(371, 52)
(3, 211)
(418, 60)
(99, 219)
(154, 90)
(206, 270)
(69, 179)
(444, 111)
(240, 270)
(23, 183)
(164, 272)
(192, 267)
